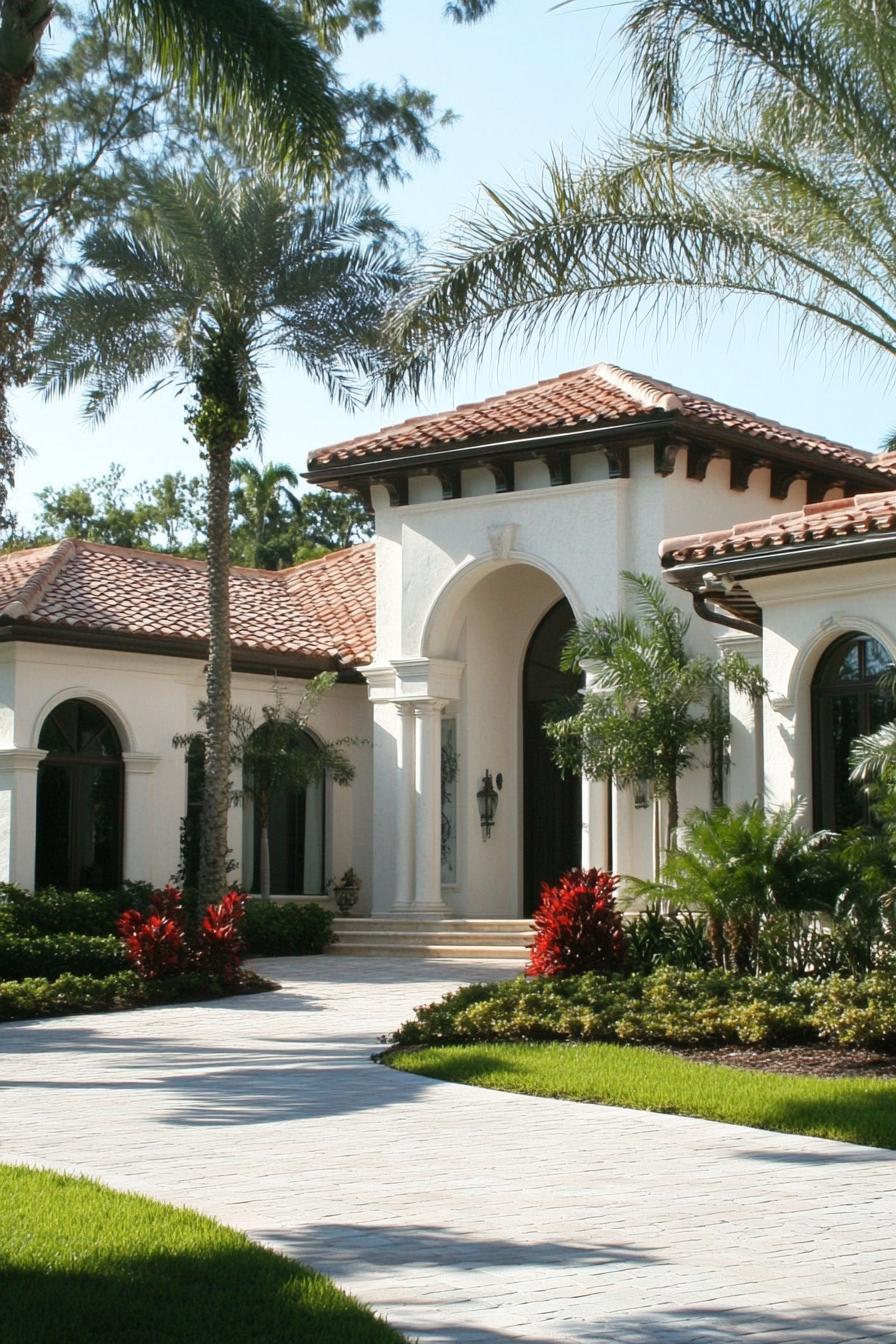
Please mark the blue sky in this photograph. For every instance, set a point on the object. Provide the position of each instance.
(523, 81)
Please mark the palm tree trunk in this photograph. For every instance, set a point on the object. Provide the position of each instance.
(216, 792)
(265, 862)
(672, 815)
(264, 846)
(22, 25)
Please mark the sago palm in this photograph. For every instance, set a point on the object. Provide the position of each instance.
(210, 275)
(257, 498)
(763, 169)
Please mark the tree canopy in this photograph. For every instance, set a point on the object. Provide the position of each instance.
(759, 168)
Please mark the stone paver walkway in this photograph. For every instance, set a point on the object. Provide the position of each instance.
(466, 1217)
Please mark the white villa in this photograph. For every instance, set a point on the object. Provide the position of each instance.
(496, 526)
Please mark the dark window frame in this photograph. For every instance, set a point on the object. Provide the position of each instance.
(78, 767)
(827, 689)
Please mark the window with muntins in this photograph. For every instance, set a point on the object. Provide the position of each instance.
(847, 702)
(80, 800)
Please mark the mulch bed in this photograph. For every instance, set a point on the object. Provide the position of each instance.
(811, 1061)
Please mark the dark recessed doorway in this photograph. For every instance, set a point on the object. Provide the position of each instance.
(552, 804)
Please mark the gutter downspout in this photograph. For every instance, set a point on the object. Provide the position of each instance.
(715, 614)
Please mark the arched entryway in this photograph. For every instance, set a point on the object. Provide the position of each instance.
(80, 799)
(552, 803)
(846, 702)
(296, 828)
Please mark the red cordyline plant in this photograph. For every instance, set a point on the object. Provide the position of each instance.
(219, 946)
(158, 945)
(577, 925)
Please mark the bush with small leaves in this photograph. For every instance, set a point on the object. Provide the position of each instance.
(53, 954)
(291, 929)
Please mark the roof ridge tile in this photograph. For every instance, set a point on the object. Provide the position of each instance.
(34, 587)
(653, 396)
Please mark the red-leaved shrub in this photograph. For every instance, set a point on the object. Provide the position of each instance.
(577, 925)
(156, 943)
(159, 943)
(219, 945)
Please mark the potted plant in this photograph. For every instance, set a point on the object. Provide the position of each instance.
(346, 890)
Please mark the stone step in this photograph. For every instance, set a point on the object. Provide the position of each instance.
(395, 935)
(398, 924)
(455, 951)
(513, 937)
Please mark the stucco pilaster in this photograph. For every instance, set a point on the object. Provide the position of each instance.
(18, 814)
(139, 813)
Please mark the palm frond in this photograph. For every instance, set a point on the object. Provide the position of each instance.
(245, 59)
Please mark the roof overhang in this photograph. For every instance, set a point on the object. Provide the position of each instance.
(261, 661)
(670, 432)
(720, 580)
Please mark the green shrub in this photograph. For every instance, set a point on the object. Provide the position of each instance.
(52, 911)
(857, 1011)
(293, 930)
(667, 1006)
(657, 937)
(53, 954)
(87, 993)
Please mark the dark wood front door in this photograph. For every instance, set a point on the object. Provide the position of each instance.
(552, 805)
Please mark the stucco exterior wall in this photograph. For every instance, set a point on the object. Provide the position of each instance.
(468, 579)
(803, 614)
(151, 698)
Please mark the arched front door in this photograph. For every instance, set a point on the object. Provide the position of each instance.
(846, 702)
(80, 796)
(552, 805)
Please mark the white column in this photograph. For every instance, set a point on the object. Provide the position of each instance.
(595, 840)
(597, 843)
(746, 776)
(142, 853)
(428, 856)
(18, 815)
(405, 810)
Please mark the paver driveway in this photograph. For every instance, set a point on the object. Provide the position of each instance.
(462, 1215)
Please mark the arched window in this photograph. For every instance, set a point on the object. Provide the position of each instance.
(80, 796)
(296, 824)
(846, 702)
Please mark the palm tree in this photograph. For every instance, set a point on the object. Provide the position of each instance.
(652, 702)
(209, 275)
(247, 57)
(257, 497)
(763, 169)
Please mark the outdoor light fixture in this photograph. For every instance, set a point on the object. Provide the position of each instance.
(487, 798)
(643, 793)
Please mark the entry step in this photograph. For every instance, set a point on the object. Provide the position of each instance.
(385, 936)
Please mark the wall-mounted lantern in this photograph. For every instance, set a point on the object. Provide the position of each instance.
(487, 799)
(643, 791)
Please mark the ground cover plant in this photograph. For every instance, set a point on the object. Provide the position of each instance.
(856, 1110)
(85, 1263)
(665, 1007)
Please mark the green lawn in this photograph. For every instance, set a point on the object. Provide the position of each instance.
(859, 1110)
(82, 1264)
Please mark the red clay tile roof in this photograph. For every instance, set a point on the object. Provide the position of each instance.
(586, 398)
(324, 609)
(830, 520)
